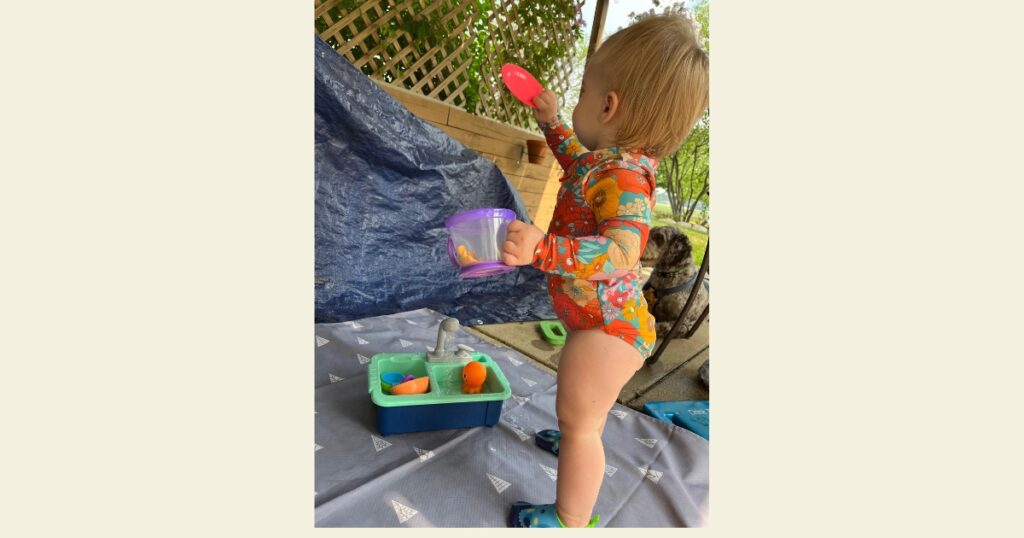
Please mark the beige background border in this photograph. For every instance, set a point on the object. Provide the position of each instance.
(156, 208)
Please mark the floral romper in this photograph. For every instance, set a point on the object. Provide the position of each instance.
(597, 233)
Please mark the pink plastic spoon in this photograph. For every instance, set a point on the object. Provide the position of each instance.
(521, 83)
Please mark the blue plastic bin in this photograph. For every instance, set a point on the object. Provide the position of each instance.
(444, 405)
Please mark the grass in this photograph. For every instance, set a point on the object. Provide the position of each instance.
(699, 240)
(664, 211)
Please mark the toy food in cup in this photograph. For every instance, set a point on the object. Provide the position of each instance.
(475, 240)
(465, 256)
(473, 376)
(416, 386)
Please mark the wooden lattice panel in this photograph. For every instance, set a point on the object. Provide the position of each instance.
(507, 36)
(377, 36)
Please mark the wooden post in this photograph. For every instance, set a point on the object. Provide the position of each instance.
(600, 11)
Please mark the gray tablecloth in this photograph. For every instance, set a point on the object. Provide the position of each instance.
(656, 474)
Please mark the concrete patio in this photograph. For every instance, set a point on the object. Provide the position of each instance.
(674, 377)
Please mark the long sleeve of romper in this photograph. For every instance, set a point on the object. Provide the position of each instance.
(562, 141)
(620, 200)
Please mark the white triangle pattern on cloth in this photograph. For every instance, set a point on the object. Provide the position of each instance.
(552, 473)
(609, 470)
(354, 324)
(518, 431)
(515, 361)
(650, 474)
(411, 322)
(498, 483)
(318, 447)
(520, 399)
(424, 454)
(404, 342)
(320, 340)
(529, 382)
(334, 378)
(361, 341)
(363, 359)
(378, 443)
(649, 442)
(618, 413)
(403, 512)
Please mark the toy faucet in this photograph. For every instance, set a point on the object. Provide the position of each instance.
(443, 351)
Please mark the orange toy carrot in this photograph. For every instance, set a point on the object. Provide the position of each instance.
(473, 376)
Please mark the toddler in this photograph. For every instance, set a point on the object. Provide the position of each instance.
(642, 92)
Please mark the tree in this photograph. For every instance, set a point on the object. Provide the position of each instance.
(686, 173)
(578, 62)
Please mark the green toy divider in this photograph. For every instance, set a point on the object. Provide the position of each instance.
(445, 380)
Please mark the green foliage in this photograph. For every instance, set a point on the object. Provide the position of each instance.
(487, 45)
(700, 11)
(539, 57)
(685, 174)
(662, 211)
(479, 53)
(577, 64)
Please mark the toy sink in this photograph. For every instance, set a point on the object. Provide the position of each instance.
(444, 405)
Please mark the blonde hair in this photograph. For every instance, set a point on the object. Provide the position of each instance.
(661, 75)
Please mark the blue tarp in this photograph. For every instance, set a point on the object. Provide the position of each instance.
(385, 181)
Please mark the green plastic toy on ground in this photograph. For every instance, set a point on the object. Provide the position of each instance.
(553, 332)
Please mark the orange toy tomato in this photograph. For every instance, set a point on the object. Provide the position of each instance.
(473, 376)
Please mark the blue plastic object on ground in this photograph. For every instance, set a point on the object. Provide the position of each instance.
(692, 415)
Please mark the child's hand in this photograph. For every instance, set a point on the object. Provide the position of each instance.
(545, 106)
(520, 243)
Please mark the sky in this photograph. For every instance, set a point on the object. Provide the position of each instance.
(618, 11)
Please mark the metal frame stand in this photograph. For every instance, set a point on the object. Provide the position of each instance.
(686, 308)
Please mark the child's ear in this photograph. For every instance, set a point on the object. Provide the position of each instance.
(611, 107)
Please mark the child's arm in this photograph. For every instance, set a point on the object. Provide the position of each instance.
(620, 199)
(560, 137)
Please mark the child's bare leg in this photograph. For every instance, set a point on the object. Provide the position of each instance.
(592, 370)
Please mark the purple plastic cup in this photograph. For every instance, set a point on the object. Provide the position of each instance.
(475, 239)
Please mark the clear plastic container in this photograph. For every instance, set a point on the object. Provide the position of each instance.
(475, 240)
